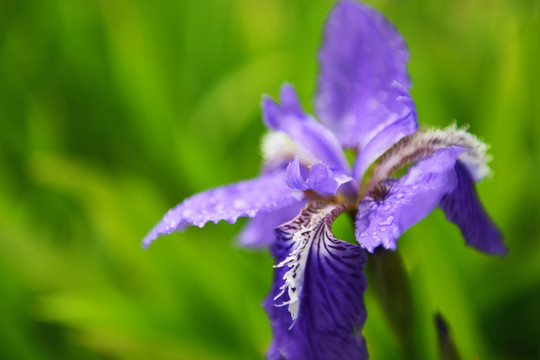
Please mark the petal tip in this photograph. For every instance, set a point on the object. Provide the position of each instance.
(148, 240)
(500, 249)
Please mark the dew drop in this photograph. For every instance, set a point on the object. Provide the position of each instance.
(239, 204)
(186, 213)
(388, 221)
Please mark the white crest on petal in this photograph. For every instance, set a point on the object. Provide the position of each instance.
(476, 157)
(278, 149)
(425, 143)
(303, 236)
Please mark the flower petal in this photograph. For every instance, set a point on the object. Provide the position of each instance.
(409, 200)
(363, 82)
(294, 177)
(325, 180)
(228, 203)
(303, 129)
(382, 142)
(321, 280)
(463, 208)
(321, 178)
(422, 144)
(260, 231)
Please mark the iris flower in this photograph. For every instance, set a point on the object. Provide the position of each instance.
(362, 103)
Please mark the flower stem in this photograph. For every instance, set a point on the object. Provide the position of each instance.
(389, 281)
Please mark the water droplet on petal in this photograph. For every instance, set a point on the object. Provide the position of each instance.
(389, 220)
(186, 213)
(239, 204)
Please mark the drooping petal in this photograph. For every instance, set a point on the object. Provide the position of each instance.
(316, 307)
(463, 207)
(303, 129)
(321, 178)
(260, 231)
(408, 200)
(363, 81)
(228, 203)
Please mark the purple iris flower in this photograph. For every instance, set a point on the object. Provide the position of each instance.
(316, 305)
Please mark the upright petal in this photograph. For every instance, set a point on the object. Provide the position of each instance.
(363, 81)
(296, 175)
(407, 200)
(260, 231)
(228, 203)
(316, 305)
(381, 143)
(463, 208)
(321, 178)
(325, 180)
(303, 129)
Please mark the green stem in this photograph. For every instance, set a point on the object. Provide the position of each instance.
(389, 282)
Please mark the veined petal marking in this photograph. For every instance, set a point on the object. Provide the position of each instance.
(322, 281)
(302, 237)
(319, 218)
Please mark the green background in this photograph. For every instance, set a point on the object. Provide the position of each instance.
(113, 111)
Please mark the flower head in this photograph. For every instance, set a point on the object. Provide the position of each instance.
(363, 103)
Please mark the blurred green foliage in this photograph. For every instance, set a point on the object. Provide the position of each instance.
(113, 111)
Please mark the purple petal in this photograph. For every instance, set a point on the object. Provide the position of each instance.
(294, 177)
(325, 180)
(321, 280)
(382, 142)
(303, 129)
(228, 203)
(463, 208)
(363, 81)
(260, 231)
(274, 114)
(409, 200)
(320, 178)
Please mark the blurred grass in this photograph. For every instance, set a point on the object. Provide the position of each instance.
(111, 112)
